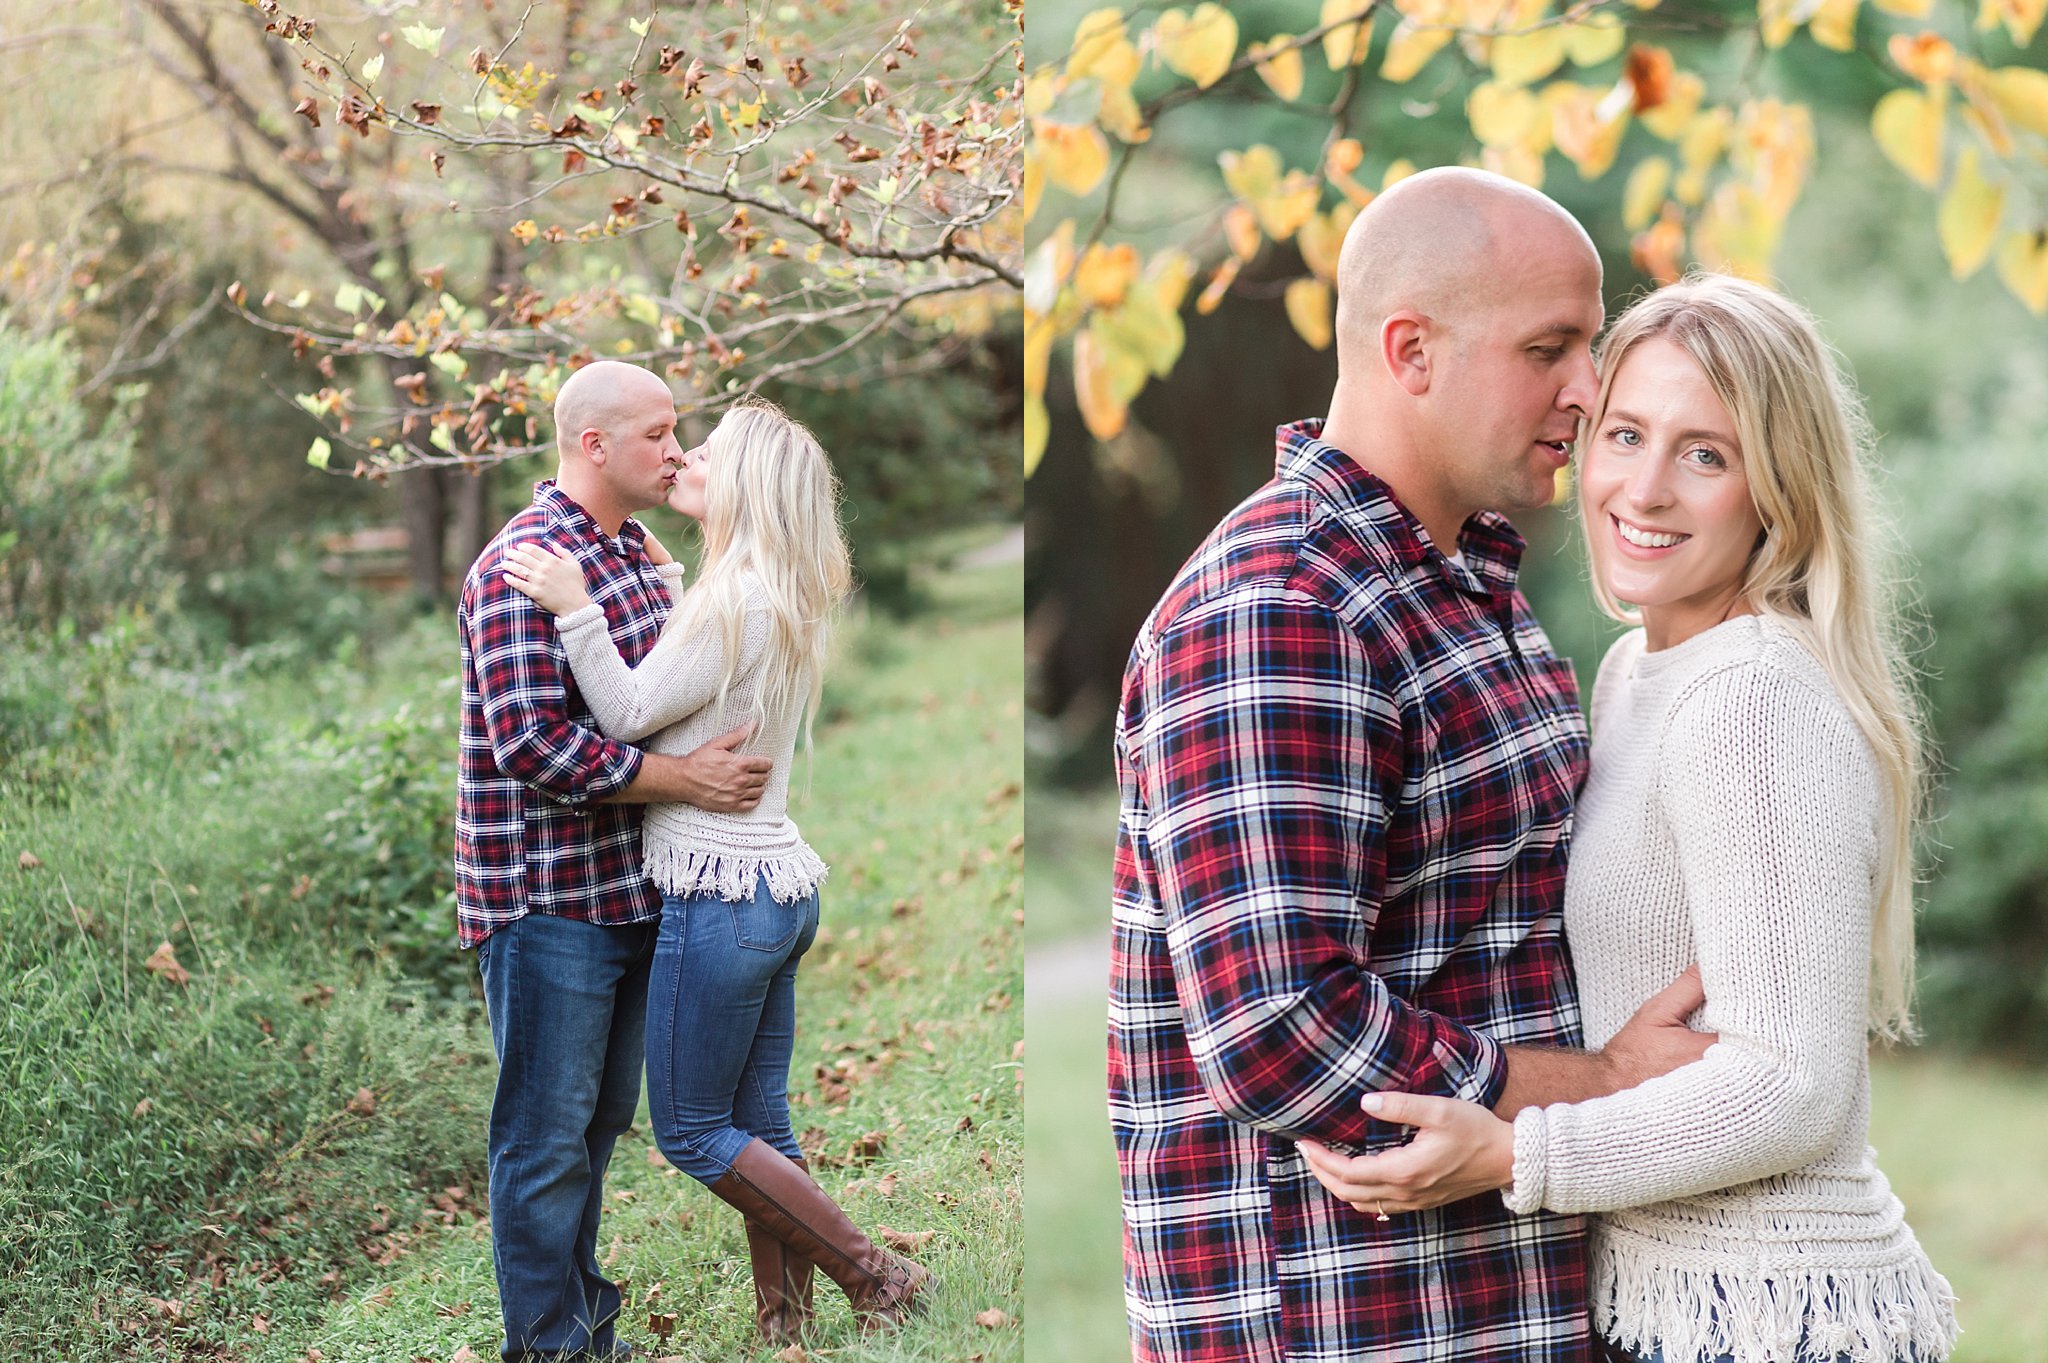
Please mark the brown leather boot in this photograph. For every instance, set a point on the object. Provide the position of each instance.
(782, 1283)
(775, 1193)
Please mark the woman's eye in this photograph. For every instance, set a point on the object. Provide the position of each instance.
(1622, 435)
(1708, 458)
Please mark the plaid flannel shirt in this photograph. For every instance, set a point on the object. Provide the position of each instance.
(532, 834)
(1347, 768)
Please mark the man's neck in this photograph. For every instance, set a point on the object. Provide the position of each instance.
(580, 486)
(1385, 452)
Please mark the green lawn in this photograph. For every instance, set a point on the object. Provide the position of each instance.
(190, 1169)
(1961, 1141)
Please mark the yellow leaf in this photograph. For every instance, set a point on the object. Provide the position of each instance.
(1048, 268)
(1346, 44)
(1506, 116)
(1910, 9)
(1037, 428)
(1170, 274)
(1926, 57)
(1198, 46)
(1344, 156)
(1738, 234)
(1834, 25)
(1241, 231)
(1397, 170)
(1410, 50)
(1102, 50)
(1646, 186)
(1074, 158)
(1586, 136)
(2021, 17)
(1969, 216)
(1253, 173)
(1907, 126)
(1104, 273)
(1282, 71)
(1041, 88)
(1039, 332)
(1774, 147)
(1596, 40)
(1525, 58)
(1308, 308)
(1144, 328)
(1218, 285)
(1119, 113)
(1777, 20)
(1517, 163)
(2021, 94)
(1034, 182)
(1282, 212)
(1321, 241)
(2023, 265)
(1658, 252)
(1670, 119)
(1107, 376)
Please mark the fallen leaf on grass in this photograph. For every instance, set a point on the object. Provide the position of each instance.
(992, 1318)
(447, 1312)
(364, 1104)
(661, 1326)
(886, 1184)
(793, 1354)
(868, 1147)
(170, 1308)
(163, 961)
(464, 1355)
(905, 1241)
(260, 1324)
(142, 1108)
(30, 861)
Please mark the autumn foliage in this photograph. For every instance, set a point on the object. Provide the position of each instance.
(1537, 87)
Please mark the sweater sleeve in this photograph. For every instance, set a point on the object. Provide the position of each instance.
(1770, 797)
(677, 678)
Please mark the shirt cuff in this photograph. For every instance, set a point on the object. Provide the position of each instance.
(670, 572)
(621, 767)
(1532, 1141)
(1477, 1073)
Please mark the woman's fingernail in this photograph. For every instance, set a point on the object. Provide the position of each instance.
(1372, 1102)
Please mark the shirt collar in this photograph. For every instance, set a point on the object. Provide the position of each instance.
(1492, 547)
(568, 511)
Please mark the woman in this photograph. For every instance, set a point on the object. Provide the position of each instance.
(746, 644)
(1754, 783)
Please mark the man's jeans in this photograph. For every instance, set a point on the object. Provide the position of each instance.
(568, 1011)
(722, 1026)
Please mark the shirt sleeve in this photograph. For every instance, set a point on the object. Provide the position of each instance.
(1263, 756)
(677, 678)
(522, 678)
(1770, 796)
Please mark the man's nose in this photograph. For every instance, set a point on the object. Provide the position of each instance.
(1581, 387)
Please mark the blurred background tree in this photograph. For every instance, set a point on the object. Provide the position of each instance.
(1176, 313)
(436, 223)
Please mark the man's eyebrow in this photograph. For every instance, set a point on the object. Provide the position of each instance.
(1562, 329)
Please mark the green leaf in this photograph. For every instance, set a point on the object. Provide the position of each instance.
(642, 309)
(348, 297)
(426, 39)
(318, 453)
(373, 68)
(311, 403)
(639, 26)
(439, 437)
(299, 299)
(449, 363)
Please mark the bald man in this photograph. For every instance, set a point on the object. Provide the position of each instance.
(547, 858)
(1347, 757)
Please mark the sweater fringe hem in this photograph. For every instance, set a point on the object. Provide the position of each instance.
(682, 871)
(1905, 1311)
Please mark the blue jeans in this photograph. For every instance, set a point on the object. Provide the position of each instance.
(722, 1026)
(568, 1010)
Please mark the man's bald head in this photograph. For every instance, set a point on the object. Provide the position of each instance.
(1444, 243)
(603, 396)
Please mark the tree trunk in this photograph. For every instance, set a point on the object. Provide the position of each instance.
(423, 495)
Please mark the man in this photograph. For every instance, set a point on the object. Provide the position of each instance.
(547, 859)
(1347, 757)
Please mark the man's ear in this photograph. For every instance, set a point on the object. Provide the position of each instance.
(1405, 349)
(594, 446)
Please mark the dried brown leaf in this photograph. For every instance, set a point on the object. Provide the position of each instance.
(163, 962)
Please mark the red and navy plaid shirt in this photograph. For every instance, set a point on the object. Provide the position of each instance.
(532, 834)
(1347, 769)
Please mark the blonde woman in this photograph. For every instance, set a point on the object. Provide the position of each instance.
(745, 644)
(1755, 778)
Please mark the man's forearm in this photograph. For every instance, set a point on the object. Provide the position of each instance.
(1539, 1076)
(663, 779)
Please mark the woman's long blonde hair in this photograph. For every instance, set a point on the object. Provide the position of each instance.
(1804, 446)
(771, 508)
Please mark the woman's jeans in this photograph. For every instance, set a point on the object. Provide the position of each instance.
(721, 1026)
(568, 1007)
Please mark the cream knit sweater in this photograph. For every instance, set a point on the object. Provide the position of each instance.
(674, 690)
(1730, 817)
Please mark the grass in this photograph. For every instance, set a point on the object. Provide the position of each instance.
(283, 1152)
(1959, 1139)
